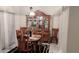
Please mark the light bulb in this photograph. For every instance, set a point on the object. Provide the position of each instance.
(32, 13)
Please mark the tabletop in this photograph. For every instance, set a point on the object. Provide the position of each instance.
(34, 37)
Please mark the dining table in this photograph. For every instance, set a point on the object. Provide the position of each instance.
(34, 39)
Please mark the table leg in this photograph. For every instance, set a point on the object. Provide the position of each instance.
(34, 48)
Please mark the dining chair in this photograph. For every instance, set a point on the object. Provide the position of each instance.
(54, 37)
(27, 44)
(24, 45)
(24, 30)
(18, 34)
(45, 43)
(46, 46)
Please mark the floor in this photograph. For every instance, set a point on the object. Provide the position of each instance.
(43, 49)
(8, 49)
(54, 48)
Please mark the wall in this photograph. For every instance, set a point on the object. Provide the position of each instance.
(20, 21)
(55, 21)
(73, 30)
(63, 30)
(17, 21)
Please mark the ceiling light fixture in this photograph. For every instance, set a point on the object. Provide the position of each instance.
(32, 13)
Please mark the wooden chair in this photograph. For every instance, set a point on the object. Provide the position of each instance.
(26, 44)
(45, 37)
(45, 42)
(18, 34)
(54, 37)
(24, 30)
(23, 42)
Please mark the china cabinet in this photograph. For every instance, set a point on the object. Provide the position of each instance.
(40, 25)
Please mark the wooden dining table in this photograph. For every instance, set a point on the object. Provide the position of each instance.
(34, 39)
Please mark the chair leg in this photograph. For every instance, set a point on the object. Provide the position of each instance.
(39, 48)
(44, 49)
(47, 49)
(34, 48)
(56, 40)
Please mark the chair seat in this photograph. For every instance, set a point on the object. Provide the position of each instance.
(46, 47)
(45, 44)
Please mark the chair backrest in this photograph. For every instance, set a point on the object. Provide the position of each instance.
(25, 43)
(55, 32)
(45, 36)
(22, 41)
(18, 34)
(19, 38)
(24, 29)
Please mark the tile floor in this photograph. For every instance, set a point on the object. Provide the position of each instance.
(54, 48)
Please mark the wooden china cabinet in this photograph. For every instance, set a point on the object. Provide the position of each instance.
(40, 25)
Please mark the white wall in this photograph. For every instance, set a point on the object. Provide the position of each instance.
(20, 21)
(55, 21)
(63, 30)
(17, 21)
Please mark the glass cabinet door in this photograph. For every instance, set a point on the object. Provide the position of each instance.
(40, 22)
(45, 23)
(34, 23)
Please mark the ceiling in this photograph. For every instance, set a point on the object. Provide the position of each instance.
(50, 10)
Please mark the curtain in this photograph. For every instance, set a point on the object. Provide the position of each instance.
(11, 29)
(11, 32)
(2, 33)
(7, 31)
